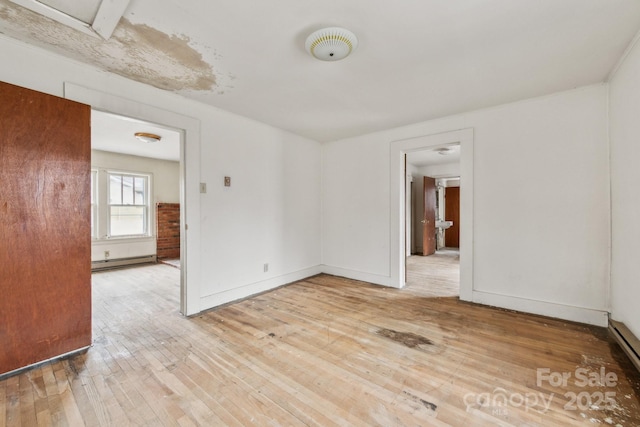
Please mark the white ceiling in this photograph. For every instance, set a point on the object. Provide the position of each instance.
(114, 133)
(416, 59)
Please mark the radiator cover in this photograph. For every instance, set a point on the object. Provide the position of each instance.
(627, 340)
(122, 262)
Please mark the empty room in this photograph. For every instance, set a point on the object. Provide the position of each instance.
(343, 213)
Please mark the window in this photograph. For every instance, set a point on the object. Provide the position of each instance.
(128, 205)
(121, 205)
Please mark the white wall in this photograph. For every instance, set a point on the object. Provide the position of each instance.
(165, 188)
(270, 214)
(540, 237)
(624, 98)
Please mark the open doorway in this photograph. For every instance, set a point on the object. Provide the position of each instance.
(432, 200)
(397, 219)
(136, 193)
(189, 128)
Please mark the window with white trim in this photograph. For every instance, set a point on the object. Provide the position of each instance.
(128, 205)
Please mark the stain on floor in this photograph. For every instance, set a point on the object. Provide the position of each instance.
(430, 406)
(408, 339)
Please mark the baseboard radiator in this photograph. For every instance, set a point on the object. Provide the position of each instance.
(625, 338)
(122, 262)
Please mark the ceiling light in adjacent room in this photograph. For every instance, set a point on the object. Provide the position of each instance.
(331, 44)
(147, 137)
(445, 151)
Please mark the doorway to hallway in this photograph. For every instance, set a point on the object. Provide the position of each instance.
(436, 275)
(432, 263)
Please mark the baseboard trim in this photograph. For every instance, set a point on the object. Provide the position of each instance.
(629, 343)
(43, 362)
(122, 262)
(357, 275)
(559, 311)
(214, 300)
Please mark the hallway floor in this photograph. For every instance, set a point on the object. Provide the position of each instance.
(436, 275)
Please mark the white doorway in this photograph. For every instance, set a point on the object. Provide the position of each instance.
(432, 247)
(189, 176)
(136, 192)
(398, 217)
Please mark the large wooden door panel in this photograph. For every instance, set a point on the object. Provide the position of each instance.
(45, 243)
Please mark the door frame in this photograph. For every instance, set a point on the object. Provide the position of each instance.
(189, 178)
(397, 236)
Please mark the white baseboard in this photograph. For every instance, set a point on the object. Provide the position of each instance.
(566, 312)
(357, 275)
(560, 311)
(224, 297)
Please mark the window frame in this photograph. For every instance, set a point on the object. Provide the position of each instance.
(146, 205)
(94, 204)
(102, 224)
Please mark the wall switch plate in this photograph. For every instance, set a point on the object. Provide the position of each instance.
(266, 267)
(227, 181)
(203, 187)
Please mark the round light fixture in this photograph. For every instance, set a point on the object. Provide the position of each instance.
(445, 151)
(147, 137)
(331, 44)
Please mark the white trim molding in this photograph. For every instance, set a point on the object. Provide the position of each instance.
(544, 308)
(189, 178)
(236, 294)
(397, 237)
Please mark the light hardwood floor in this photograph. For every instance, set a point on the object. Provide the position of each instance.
(436, 275)
(323, 351)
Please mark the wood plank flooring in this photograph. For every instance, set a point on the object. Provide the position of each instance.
(321, 352)
(436, 275)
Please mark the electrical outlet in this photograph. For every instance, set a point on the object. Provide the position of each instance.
(227, 181)
(203, 187)
(107, 254)
(266, 267)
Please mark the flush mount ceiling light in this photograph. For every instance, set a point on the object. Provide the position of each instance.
(147, 137)
(444, 151)
(331, 44)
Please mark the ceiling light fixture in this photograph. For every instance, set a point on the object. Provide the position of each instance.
(331, 44)
(147, 137)
(444, 151)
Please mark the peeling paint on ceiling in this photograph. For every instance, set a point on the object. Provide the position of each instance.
(135, 51)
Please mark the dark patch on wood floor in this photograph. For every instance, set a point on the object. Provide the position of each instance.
(408, 339)
(426, 404)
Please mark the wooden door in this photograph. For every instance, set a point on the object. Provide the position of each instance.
(429, 217)
(452, 213)
(45, 227)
